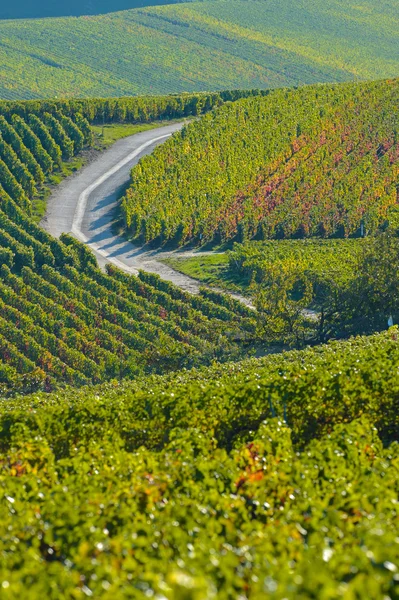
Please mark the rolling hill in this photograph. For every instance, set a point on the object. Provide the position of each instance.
(207, 45)
(316, 161)
(64, 321)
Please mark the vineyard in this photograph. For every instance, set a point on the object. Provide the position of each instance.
(251, 261)
(195, 46)
(274, 477)
(64, 321)
(317, 161)
(144, 450)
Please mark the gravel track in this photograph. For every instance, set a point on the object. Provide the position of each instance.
(84, 204)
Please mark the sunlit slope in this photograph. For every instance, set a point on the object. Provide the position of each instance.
(63, 320)
(320, 160)
(201, 45)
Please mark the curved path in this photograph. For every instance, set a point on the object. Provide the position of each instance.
(84, 204)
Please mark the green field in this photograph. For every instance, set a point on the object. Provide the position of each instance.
(199, 46)
(210, 269)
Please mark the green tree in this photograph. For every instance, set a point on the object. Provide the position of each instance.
(371, 297)
(282, 302)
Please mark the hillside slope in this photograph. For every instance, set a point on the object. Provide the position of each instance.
(199, 46)
(320, 160)
(62, 320)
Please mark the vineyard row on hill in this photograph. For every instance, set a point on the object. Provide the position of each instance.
(31, 148)
(261, 478)
(64, 321)
(139, 109)
(316, 161)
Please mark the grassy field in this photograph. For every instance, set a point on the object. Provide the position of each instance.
(199, 46)
(212, 269)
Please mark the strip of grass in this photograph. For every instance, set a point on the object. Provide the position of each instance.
(112, 132)
(211, 269)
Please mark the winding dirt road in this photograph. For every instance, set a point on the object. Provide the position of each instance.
(84, 204)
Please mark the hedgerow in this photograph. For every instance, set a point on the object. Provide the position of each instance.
(131, 109)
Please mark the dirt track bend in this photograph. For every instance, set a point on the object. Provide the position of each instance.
(84, 204)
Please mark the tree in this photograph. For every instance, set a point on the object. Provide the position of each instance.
(282, 302)
(372, 295)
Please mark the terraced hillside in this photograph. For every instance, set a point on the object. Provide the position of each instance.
(317, 161)
(269, 478)
(207, 45)
(62, 320)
